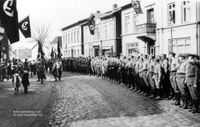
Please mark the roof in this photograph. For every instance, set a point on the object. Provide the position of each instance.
(110, 13)
(56, 40)
(100, 15)
(126, 6)
(74, 24)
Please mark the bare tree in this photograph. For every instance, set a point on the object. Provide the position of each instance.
(40, 34)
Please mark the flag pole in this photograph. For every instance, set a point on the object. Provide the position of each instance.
(0, 42)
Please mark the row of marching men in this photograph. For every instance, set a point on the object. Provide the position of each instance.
(80, 64)
(175, 77)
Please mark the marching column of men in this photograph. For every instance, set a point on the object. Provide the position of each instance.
(175, 78)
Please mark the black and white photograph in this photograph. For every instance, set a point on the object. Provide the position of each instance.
(99, 63)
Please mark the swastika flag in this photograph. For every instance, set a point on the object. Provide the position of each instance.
(9, 19)
(137, 7)
(25, 27)
(91, 24)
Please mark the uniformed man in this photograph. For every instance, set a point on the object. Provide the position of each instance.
(137, 76)
(150, 75)
(147, 87)
(142, 83)
(192, 80)
(173, 70)
(165, 82)
(157, 78)
(180, 78)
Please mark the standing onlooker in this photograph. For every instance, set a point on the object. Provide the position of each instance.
(25, 80)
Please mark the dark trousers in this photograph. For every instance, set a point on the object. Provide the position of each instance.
(165, 83)
(25, 88)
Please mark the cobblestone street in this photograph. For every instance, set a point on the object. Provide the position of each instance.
(87, 101)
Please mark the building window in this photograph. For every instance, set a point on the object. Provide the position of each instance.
(74, 53)
(98, 32)
(77, 52)
(111, 29)
(127, 23)
(186, 11)
(85, 35)
(105, 28)
(78, 35)
(133, 48)
(171, 13)
(75, 37)
(68, 38)
(150, 16)
(64, 37)
(72, 41)
(68, 53)
(134, 23)
(180, 45)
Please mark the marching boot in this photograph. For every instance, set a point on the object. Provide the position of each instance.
(153, 95)
(157, 94)
(185, 103)
(177, 99)
(147, 92)
(192, 106)
(196, 107)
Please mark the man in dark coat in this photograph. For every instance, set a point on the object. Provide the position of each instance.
(25, 81)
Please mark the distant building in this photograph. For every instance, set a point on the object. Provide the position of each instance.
(178, 26)
(54, 44)
(107, 38)
(138, 30)
(73, 39)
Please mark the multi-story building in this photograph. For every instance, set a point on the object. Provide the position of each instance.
(164, 26)
(138, 30)
(106, 40)
(73, 39)
(178, 26)
(4, 45)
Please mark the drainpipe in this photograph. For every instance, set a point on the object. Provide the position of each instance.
(197, 27)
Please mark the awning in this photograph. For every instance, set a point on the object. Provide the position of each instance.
(147, 39)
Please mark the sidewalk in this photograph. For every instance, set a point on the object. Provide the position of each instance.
(22, 110)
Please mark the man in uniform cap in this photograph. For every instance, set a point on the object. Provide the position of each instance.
(157, 79)
(173, 69)
(144, 75)
(181, 74)
(166, 86)
(150, 76)
(192, 80)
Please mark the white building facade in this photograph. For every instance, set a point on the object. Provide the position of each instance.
(106, 40)
(178, 27)
(72, 39)
(164, 26)
(138, 30)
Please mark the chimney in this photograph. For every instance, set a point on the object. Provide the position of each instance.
(114, 7)
(98, 12)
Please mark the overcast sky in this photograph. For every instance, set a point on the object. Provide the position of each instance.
(61, 13)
